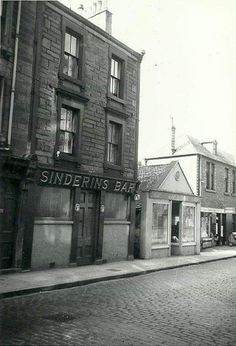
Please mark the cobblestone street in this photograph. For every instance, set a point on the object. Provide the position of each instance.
(195, 305)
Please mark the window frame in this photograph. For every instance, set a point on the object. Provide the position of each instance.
(79, 33)
(233, 182)
(118, 56)
(79, 109)
(226, 180)
(120, 122)
(210, 176)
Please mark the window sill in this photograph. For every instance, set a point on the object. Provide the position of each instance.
(66, 157)
(79, 82)
(211, 191)
(160, 246)
(189, 244)
(227, 193)
(233, 194)
(115, 98)
(111, 166)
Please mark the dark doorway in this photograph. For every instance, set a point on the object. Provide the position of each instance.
(8, 221)
(175, 220)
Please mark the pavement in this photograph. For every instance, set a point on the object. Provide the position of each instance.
(24, 283)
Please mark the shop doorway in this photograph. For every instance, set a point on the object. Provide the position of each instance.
(85, 227)
(175, 227)
(8, 222)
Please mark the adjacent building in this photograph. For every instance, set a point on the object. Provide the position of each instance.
(69, 115)
(170, 212)
(211, 175)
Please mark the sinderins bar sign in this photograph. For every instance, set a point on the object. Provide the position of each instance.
(88, 182)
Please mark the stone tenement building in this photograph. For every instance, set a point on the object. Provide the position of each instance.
(68, 139)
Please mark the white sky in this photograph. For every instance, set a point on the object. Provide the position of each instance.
(188, 71)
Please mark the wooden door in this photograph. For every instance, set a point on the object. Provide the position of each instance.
(85, 227)
(8, 210)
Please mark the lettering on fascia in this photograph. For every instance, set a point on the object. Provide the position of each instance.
(85, 182)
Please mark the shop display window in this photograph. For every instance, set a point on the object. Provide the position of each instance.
(53, 203)
(160, 223)
(188, 229)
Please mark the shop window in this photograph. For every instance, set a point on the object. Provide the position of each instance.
(2, 87)
(68, 129)
(116, 206)
(53, 203)
(160, 223)
(233, 182)
(210, 176)
(226, 180)
(188, 228)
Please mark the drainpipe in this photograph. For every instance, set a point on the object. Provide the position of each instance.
(14, 76)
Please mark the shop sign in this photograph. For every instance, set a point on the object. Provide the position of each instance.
(83, 181)
(229, 210)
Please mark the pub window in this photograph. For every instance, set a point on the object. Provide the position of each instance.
(53, 203)
(68, 130)
(210, 176)
(114, 143)
(160, 223)
(226, 180)
(116, 77)
(233, 182)
(72, 63)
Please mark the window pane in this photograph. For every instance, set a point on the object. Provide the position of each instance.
(69, 120)
(53, 202)
(116, 206)
(67, 42)
(188, 224)
(160, 223)
(65, 67)
(63, 119)
(73, 46)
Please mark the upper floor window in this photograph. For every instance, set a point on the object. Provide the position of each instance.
(210, 176)
(68, 127)
(114, 143)
(71, 55)
(233, 182)
(226, 180)
(116, 77)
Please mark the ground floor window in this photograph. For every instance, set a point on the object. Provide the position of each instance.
(188, 228)
(160, 223)
(53, 202)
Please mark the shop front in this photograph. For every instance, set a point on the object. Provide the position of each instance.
(170, 215)
(216, 226)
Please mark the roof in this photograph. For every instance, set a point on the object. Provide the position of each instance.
(151, 177)
(193, 146)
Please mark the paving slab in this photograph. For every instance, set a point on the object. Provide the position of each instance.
(45, 280)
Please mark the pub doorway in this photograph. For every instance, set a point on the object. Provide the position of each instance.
(85, 228)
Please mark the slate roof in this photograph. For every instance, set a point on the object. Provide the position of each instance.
(202, 150)
(151, 177)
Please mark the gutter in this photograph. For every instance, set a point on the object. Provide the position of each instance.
(9, 134)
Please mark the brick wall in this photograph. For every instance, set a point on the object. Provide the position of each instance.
(219, 197)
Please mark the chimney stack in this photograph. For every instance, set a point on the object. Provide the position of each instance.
(215, 147)
(98, 13)
(173, 149)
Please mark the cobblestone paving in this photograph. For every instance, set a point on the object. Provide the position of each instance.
(194, 305)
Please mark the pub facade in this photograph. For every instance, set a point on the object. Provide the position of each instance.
(69, 140)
